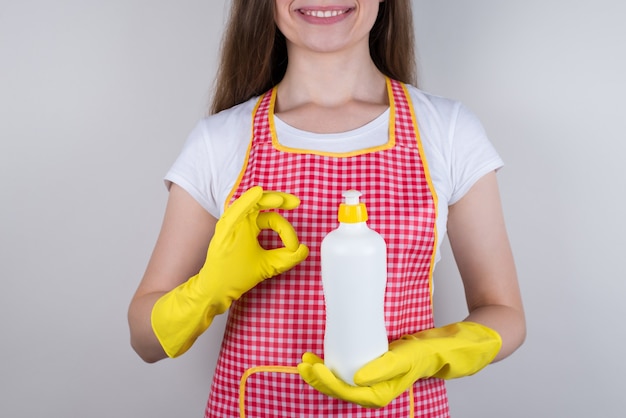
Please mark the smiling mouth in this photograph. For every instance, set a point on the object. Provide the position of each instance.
(324, 13)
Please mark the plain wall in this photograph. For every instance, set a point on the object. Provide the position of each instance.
(96, 99)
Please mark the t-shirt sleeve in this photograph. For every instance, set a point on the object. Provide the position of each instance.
(191, 171)
(472, 154)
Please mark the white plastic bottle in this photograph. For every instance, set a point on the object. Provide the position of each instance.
(354, 277)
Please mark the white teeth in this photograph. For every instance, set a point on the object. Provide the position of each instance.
(324, 13)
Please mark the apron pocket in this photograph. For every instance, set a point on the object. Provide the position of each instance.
(279, 391)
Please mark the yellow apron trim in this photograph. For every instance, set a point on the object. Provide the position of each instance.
(259, 369)
(392, 113)
(388, 145)
(247, 157)
(290, 370)
(433, 192)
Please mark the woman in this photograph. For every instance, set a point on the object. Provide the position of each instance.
(314, 98)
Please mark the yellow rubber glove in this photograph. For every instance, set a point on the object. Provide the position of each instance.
(456, 350)
(235, 263)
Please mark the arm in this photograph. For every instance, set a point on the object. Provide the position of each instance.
(174, 305)
(179, 253)
(479, 241)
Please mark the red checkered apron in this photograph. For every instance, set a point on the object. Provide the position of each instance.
(272, 325)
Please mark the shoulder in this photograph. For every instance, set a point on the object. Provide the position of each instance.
(444, 120)
(229, 125)
(455, 143)
(433, 109)
(218, 138)
(213, 155)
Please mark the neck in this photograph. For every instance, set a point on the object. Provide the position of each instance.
(330, 80)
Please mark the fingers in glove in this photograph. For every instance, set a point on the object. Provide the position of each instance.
(241, 208)
(280, 260)
(321, 378)
(254, 200)
(384, 368)
(311, 358)
(280, 225)
(278, 200)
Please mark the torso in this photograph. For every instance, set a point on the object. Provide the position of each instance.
(272, 325)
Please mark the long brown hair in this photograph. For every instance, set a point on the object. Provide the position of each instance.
(254, 51)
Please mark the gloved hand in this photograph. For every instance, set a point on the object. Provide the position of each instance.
(456, 350)
(235, 263)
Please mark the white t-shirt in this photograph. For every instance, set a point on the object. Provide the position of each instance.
(457, 150)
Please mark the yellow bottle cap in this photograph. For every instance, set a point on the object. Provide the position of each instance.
(352, 211)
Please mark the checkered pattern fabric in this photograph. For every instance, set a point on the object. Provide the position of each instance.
(280, 319)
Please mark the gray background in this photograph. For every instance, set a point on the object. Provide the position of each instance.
(97, 97)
